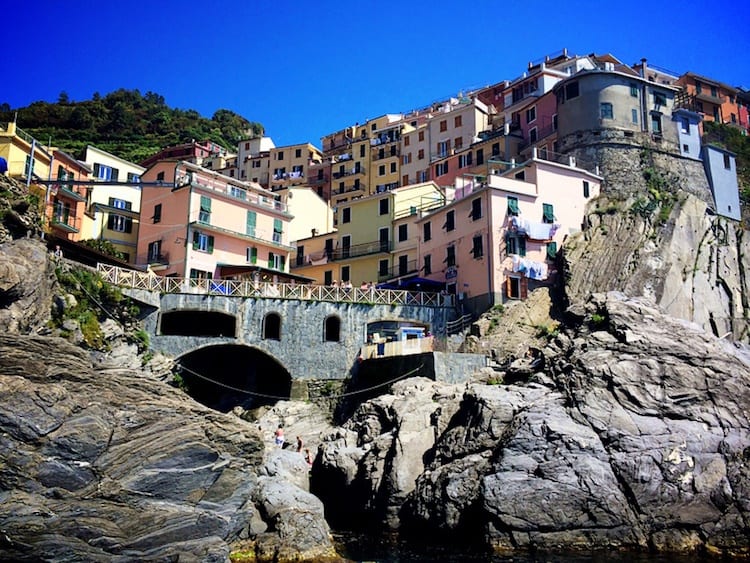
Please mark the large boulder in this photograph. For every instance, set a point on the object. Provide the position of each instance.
(642, 442)
(99, 465)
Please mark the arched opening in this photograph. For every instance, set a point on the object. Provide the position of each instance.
(332, 329)
(198, 323)
(272, 326)
(226, 376)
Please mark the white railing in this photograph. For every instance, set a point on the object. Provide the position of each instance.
(148, 281)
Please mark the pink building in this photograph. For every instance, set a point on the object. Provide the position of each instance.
(211, 226)
(498, 239)
(66, 202)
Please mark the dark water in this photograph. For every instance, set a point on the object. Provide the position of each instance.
(376, 548)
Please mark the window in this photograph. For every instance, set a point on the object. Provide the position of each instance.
(393, 167)
(512, 205)
(443, 125)
(272, 326)
(713, 91)
(571, 90)
(551, 250)
(441, 168)
(280, 155)
(634, 89)
(403, 265)
(477, 250)
(239, 193)
(464, 160)
(476, 209)
(381, 170)
(277, 230)
(420, 154)
(450, 220)
(686, 149)
(656, 123)
(515, 244)
(328, 277)
(450, 256)
(420, 135)
(362, 151)
(443, 147)
(346, 215)
(402, 233)
(548, 213)
(106, 173)
(605, 110)
(406, 140)
(250, 221)
(203, 242)
(586, 189)
(157, 213)
(345, 273)
(251, 255)
(660, 99)
(154, 251)
(698, 87)
(297, 153)
(383, 209)
(634, 115)
(119, 223)
(120, 203)
(480, 156)
(332, 329)
(383, 268)
(532, 135)
(458, 143)
(199, 274)
(727, 162)
(427, 264)
(531, 114)
(457, 121)
(133, 178)
(204, 215)
(685, 125)
(427, 231)
(405, 180)
(275, 261)
(423, 176)
(520, 175)
(406, 158)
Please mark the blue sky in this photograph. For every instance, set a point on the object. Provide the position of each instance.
(305, 69)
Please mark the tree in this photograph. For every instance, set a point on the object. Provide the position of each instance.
(63, 98)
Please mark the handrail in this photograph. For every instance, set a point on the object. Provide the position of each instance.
(453, 327)
(149, 281)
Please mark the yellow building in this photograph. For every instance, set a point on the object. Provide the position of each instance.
(290, 165)
(113, 209)
(350, 163)
(385, 151)
(16, 147)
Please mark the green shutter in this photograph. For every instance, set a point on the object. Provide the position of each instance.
(252, 217)
(277, 225)
(196, 240)
(210, 244)
(205, 203)
(282, 262)
(548, 213)
(512, 205)
(551, 250)
(521, 246)
(270, 259)
(253, 255)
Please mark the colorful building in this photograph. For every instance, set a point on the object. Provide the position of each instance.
(290, 165)
(66, 201)
(715, 100)
(497, 239)
(26, 158)
(211, 226)
(113, 207)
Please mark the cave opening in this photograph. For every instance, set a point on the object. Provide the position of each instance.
(223, 377)
(198, 323)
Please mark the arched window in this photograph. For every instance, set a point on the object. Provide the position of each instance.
(272, 327)
(332, 329)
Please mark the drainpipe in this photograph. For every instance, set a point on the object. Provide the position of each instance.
(185, 273)
(491, 252)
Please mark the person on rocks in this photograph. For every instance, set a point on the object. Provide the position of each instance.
(308, 458)
(278, 436)
(299, 444)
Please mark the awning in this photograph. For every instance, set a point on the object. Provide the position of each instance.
(229, 270)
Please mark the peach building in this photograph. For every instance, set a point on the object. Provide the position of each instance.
(497, 239)
(211, 226)
(66, 202)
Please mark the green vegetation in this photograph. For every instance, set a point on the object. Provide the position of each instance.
(548, 331)
(598, 320)
(126, 123)
(495, 313)
(661, 193)
(104, 246)
(94, 301)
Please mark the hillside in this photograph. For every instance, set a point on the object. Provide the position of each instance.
(126, 123)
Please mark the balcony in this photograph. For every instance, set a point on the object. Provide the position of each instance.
(68, 192)
(160, 259)
(711, 99)
(357, 250)
(351, 172)
(66, 221)
(294, 175)
(379, 152)
(317, 180)
(380, 188)
(398, 271)
(384, 139)
(348, 189)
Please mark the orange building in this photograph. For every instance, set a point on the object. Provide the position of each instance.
(715, 100)
(66, 202)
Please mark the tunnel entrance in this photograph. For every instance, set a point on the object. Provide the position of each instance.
(226, 376)
(198, 323)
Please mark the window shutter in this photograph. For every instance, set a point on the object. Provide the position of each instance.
(277, 225)
(210, 244)
(96, 170)
(524, 287)
(548, 213)
(512, 206)
(270, 259)
(521, 246)
(253, 255)
(551, 250)
(250, 223)
(115, 174)
(205, 203)
(282, 262)
(128, 225)
(196, 240)
(111, 221)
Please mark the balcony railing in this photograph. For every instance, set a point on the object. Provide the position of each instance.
(357, 250)
(351, 172)
(148, 281)
(398, 271)
(293, 175)
(380, 188)
(161, 259)
(66, 221)
(380, 153)
(214, 184)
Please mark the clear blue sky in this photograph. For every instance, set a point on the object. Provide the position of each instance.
(305, 69)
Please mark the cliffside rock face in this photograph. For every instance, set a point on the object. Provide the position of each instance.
(103, 464)
(643, 442)
(26, 280)
(365, 470)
